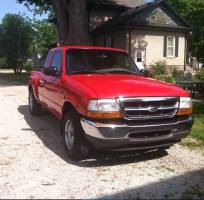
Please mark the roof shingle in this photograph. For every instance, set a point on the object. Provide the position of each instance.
(118, 3)
(135, 17)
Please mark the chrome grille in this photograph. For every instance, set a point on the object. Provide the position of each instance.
(149, 107)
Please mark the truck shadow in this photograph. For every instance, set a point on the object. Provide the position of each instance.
(47, 129)
(183, 186)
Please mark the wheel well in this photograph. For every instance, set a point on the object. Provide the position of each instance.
(67, 107)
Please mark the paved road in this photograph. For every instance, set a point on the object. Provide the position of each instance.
(33, 163)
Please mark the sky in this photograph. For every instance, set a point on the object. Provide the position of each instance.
(10, 6)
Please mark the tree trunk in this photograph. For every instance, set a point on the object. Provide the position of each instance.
(78, 22)
(72, 21)
(62, 19)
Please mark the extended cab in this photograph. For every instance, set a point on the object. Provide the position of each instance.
(104, 102)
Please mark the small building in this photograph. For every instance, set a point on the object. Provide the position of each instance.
(150, 32)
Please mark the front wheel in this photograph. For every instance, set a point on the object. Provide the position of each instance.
(76, 145)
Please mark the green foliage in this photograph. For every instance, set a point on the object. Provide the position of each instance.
(165, 78)
(159, 68)
(177, 73)
(200, 75)
(3, 63)
(198, 128)
(193, 12)
(38, 6)
(159, 71)
(44, 36)
(188, 76)
(28, 66)
(15, 40)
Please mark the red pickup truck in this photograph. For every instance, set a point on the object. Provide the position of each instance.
(103, 101)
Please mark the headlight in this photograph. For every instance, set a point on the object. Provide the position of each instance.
(185, 106)
(104, 108)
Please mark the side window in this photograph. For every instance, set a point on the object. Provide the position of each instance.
(57, 60)
(171, 44)
(48, 59)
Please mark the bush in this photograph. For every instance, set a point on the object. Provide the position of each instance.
(188, 76)
(166, 78)
(3, 63)
(176, 72)
(200, 75)
(159, 68)
(179, 76)
(28, 67)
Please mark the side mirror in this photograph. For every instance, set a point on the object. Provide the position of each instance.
(144, 72)
(51, 71)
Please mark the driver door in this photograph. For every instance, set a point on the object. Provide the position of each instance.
(54, 89)
(41, 89)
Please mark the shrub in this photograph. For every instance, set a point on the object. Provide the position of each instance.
(179, 76)
(188, 76)
(175, 72)
(159, 68)
(200, 75)
(3, 63)
(166, 78)
(28, 67)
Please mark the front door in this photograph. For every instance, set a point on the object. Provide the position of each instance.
(41, 89)
(140, 58)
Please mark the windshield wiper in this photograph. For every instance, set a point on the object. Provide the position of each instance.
(115, 70)
(87, 72)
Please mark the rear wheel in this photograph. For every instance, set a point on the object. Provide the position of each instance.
(34, 107)
(76, 145)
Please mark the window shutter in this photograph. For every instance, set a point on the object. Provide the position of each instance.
(176, 46)
(165, 45)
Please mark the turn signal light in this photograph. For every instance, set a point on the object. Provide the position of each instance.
(104, 115)
(185, 111)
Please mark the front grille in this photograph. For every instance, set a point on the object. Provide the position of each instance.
(148, 108)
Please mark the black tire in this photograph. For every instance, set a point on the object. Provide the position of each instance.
(78, 148)
(34, 107)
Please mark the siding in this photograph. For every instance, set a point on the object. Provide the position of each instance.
(155, 46)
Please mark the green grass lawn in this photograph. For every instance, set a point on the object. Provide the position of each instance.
(15, 79)
(198, 128)
(196, 138)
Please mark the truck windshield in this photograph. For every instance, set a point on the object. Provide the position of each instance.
(99, 61)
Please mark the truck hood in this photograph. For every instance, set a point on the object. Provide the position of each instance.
(112, 86)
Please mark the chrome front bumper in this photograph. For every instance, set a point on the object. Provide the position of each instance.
(120, 136)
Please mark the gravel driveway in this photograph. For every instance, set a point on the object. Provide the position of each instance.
(33, 163)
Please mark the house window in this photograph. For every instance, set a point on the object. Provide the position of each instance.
(171, 44)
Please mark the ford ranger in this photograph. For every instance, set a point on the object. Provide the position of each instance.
(103, 101)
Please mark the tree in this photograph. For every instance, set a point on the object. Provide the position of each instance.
(44, 35)
(15, 41)
(71, 18)
(193, 12)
